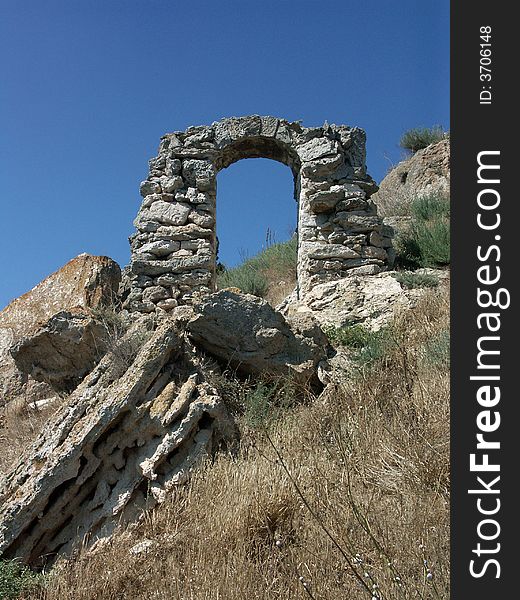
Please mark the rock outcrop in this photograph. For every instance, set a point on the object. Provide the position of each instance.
(372, 301)
(62, 351)
(127, 434)
(85, 282)
(246, 333)
(427, 171)
(137, 424)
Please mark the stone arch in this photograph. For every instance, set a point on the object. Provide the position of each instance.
(339, 232)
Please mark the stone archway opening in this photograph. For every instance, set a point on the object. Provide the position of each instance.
(174, 246)
(256, 215)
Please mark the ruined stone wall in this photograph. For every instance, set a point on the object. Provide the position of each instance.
(174, 246)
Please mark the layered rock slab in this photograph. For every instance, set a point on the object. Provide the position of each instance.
(85, 282)
(63, 351)
(128, 433)
(247, 334)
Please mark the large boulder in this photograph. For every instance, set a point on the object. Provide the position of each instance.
(246, 333)
(427, 171)
(62, 351)
(372, 301)
(85, 282)
(126, 436)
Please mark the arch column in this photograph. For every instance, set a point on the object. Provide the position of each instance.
(174, 247)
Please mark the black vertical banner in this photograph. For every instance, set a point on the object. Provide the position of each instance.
(485, 329)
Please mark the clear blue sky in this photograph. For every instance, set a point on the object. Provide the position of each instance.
(87, 87)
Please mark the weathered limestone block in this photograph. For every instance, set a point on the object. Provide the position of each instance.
(86, 282)
(168, 213)
(187, 232)
(202, 219)
(130, 432)
(155, 293)
(173, 167)
(247, 333)
(171, 184)
(269, 126)
(171, 265)
(62, 351)
(326, 200)
(323, 251)
(199, 173)
(317, 148)
(426, 172)
(358, 223)
(148, 188)
(159, 247)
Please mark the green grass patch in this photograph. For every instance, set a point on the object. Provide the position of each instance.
(16, 579)
(367, 346)
(427, 242)
(265, 402)
(411, 280)
(430, 207)
(254, 275)
(421, 137)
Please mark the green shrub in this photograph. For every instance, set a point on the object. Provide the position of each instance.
(352, 336)
(416, 280)
(427, 242)
(264, 402)
(246, 279)
(421, 137)
(254, 274)
(16, 578)
(258, 405)
(433, 239)
(368, 346)
(430, 207)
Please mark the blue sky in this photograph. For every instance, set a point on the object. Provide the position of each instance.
(88, 87)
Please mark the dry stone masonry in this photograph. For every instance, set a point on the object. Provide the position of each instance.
(174, 246)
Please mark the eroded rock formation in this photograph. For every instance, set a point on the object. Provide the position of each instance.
(427, 171)
(126, 435)
(136, 425)
(371, 301)
(247, 334)
(63, 350)
(85, 282)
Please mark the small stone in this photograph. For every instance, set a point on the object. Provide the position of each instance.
(149, 187)
(155, 293)
(160, 247)
(201, 219)
(169, 213)
(168, 304)
(142, 547)
(170, 184)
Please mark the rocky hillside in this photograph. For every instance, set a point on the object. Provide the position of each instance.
(245, 450)
(426, 172)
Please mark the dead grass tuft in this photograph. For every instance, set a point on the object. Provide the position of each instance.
(21, 421)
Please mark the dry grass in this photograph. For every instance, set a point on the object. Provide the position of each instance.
(343, 498)
(20, 423)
